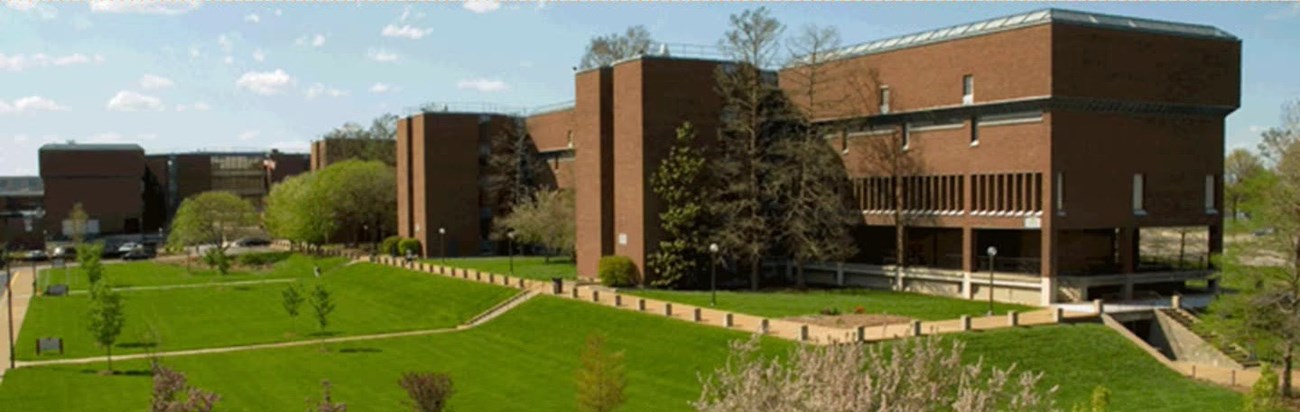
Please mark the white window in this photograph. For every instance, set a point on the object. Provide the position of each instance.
(907, 136)
(974, 131)
(844, 142)
(570, 139)
(1139, 194)
(1209, 195)
(884, 100)
(968, 89)
(1060, 193)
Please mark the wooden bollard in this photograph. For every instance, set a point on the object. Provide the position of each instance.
(728, 320)
(492, 278)
(861, 333)
(695, 315)
(573, 291)
(803, 333)
(618, 300)
(916, 328)
(521, 283)
(762, 327)
(478, 276)
(595, 296)
(1013, 318)
(1098, 307)
(640, 304)
(965, 322)
(668, 309)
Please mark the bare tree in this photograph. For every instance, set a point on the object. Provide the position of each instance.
(428, 391)
(909, 376)
(513, 168)
(607, 49)
(173, 393)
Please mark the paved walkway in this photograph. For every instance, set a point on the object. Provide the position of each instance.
(22, 293)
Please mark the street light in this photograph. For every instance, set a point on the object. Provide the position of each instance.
(442, 244)
(510, 249)
(713, 274)
(993, 255)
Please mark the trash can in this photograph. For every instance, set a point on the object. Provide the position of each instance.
(557, 286)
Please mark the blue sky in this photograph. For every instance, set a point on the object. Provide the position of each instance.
(187, 76)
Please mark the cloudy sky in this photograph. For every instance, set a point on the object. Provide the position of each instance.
(187, 75)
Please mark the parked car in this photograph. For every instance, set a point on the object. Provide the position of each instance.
(252, 242)
(38, 255)
(127, 248)
(139, 253)
(65, 252)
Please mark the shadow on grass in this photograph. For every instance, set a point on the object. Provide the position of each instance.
(138, 345)
(324, 334)
(129, 373)
(360, 350)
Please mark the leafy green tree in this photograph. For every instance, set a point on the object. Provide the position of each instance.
(752, 117)
(601, 378)
(1239, 168)
(80, 223)
(547, 219)
(296, 210)
(107, 317)
(513, 169)
(356, 195)
(90, 259)
(607, 49)
(217, 258)
(323, 304)
(291, 299)
(677, 182)
(815, 216)
(1263, 395)
(211, 218)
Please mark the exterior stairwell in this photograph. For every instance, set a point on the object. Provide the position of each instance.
(1189, 321)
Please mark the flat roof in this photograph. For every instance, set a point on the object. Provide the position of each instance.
(91, 146)
(21, 186)
(1032, 18)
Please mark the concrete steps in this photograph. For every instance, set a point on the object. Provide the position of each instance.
(1188, 320)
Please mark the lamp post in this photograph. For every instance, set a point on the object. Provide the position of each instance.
(510, 249)
(993, 255)
(442, 244)
(713, 274)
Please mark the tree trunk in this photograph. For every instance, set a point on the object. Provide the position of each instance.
(1286, 370)
(753, 272)
(110, 358)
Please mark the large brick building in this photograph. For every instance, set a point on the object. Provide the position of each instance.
(1055, 136)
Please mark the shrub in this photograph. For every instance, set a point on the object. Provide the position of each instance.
(429, 392)
(262, 258)
(389, 246)
(617, 271)
(1264, 395)
(408, 246)
(860, 310)
(216, 258)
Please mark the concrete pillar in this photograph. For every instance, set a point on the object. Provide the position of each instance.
(1128, 287)
(803, 333)
(618, 300)
(668, 309)
(728, 320)
(763, 327)
(695, 315)
(1013, 318)
(968, 252)
(965, 322)
(595, 296)
(1176, 301)
(1058, 315)
(915, 328)
(640, 305)
(1127, 243)
(967, 289)
(860, 334)
(1098, 306)
(1047, 292)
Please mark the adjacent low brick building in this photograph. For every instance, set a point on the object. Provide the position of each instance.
(1054, 136)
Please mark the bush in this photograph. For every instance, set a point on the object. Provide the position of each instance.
(429, 392)
(617, 271)
(216, 258)
(408, 246)
(389, 246)
(261, 258)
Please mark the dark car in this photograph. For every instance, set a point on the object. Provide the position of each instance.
(36, 256)
(139, 253)
(65, 252)
(252, 242)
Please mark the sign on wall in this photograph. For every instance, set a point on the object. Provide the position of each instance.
(92, 227)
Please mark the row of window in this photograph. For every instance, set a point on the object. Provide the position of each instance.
(976, 122)
(967, 93)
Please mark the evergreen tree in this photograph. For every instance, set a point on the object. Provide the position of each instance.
(677, 182)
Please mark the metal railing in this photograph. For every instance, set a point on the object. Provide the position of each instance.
(700, 51)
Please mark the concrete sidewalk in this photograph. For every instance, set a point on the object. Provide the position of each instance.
(22, 293)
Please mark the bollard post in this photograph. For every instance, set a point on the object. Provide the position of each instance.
(521, 283)
(618, 300)
(803, 333)
(965, 323)
(640, 304)
(728, 320)
(1013, 318)
(573, 292)
(1232, 378)
(668, 309)
(595, 296)
(695, 315)
(492, 278)
(1057, 314)
(762, 327)
(916, 328)
(1176, 301)
(1098, 307)
(861, 334)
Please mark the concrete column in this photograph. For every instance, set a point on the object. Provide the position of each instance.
(640, 305)
(728, 320)
(915, 328)
(595, 296)
(968, 252)
(1013, 318)
(618, 300)
(1098, 307)
(1128, 287)
(965, 322)
(695, 315)
(860, 334)
(668, 309)
(1176, 301)
(1047, 293)
(967, 289)
(1058, 315)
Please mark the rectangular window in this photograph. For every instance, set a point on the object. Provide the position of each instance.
(907, 136)
(1060, 193)
(1139, 201)
(1209, 195)
(974, 131)
(968, 89)
(884, 100)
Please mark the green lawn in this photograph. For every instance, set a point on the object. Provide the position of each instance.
(368, 299)
(526, 361)
(793, 303)
(1077, 358)
(531, 267)
(142, 273)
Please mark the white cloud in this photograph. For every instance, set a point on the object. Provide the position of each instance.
(381, 55)
(266, 83)
(45, 11)
(225, 43)
(20, 62)
(144, 6)
(253, 18)
(151, 82)
(129, 101)
(1254, 128)
(249, 135)
(382, 88)
(316, 40)
(318, 89)
(197, 106)
(229, 60)
(279, 12)
(482, 6)
(259, 55)
(407, 31)
(30, 104)
(405, 13)
(482, 85)
(194, 52)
